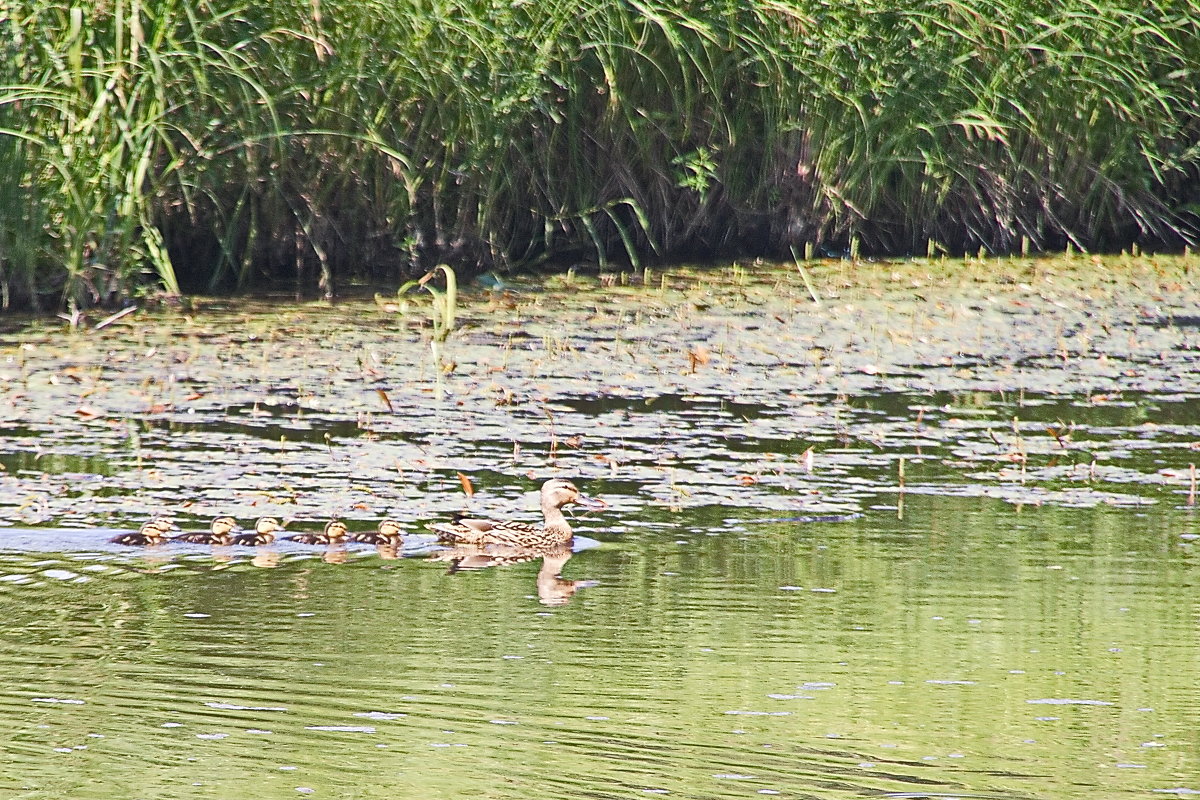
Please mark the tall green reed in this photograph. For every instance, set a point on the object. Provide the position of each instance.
(226, 145)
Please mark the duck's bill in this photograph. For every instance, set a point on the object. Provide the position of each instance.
(591, 502)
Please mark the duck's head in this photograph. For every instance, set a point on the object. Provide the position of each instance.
(389, 527)
(335, 529)
(557, 493)
(223, 526)
(160, 524)
(267, 525)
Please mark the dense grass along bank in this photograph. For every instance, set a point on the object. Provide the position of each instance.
(224, 144)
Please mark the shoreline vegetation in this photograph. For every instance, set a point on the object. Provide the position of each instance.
(225, 146)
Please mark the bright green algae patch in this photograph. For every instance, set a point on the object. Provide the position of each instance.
(777, 606)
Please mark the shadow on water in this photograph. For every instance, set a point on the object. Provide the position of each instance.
(287, 421)
(54, 463)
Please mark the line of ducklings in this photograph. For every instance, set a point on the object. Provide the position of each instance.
(553, 532)
(226, 531)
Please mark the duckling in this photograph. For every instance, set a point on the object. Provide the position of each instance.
(335, 533)
(264, 532)
(152, 532)
(555, 494)
(388, 532)
(220, 531)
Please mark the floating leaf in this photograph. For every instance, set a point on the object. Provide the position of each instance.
(387, 401)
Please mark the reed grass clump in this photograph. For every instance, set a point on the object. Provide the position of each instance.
(222, 144)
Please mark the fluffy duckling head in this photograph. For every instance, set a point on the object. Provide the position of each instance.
(267, 525)
(335, 530)
(390, 528)
(160, 525)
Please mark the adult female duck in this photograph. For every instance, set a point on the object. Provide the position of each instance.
(555, 530)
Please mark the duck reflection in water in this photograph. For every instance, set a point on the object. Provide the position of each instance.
(335, 553)
(265, 557)
(388, 552)
(552, 588)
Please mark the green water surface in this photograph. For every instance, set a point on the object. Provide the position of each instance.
(966, 650)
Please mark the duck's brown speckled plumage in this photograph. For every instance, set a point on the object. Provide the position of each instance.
(335, 533)
(555, 494)
(388, 532)
(152, 532)
(220, 531)
(263, 533)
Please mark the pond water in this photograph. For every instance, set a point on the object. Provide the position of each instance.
(929, 537)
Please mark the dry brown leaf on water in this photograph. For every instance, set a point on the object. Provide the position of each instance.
(1061, 436)
(88, 412)
(387, 401)
(698, 356)
(468, 489)
(746, 480)
(159, 408)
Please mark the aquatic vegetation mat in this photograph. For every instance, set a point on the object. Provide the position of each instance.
(1063, 383)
